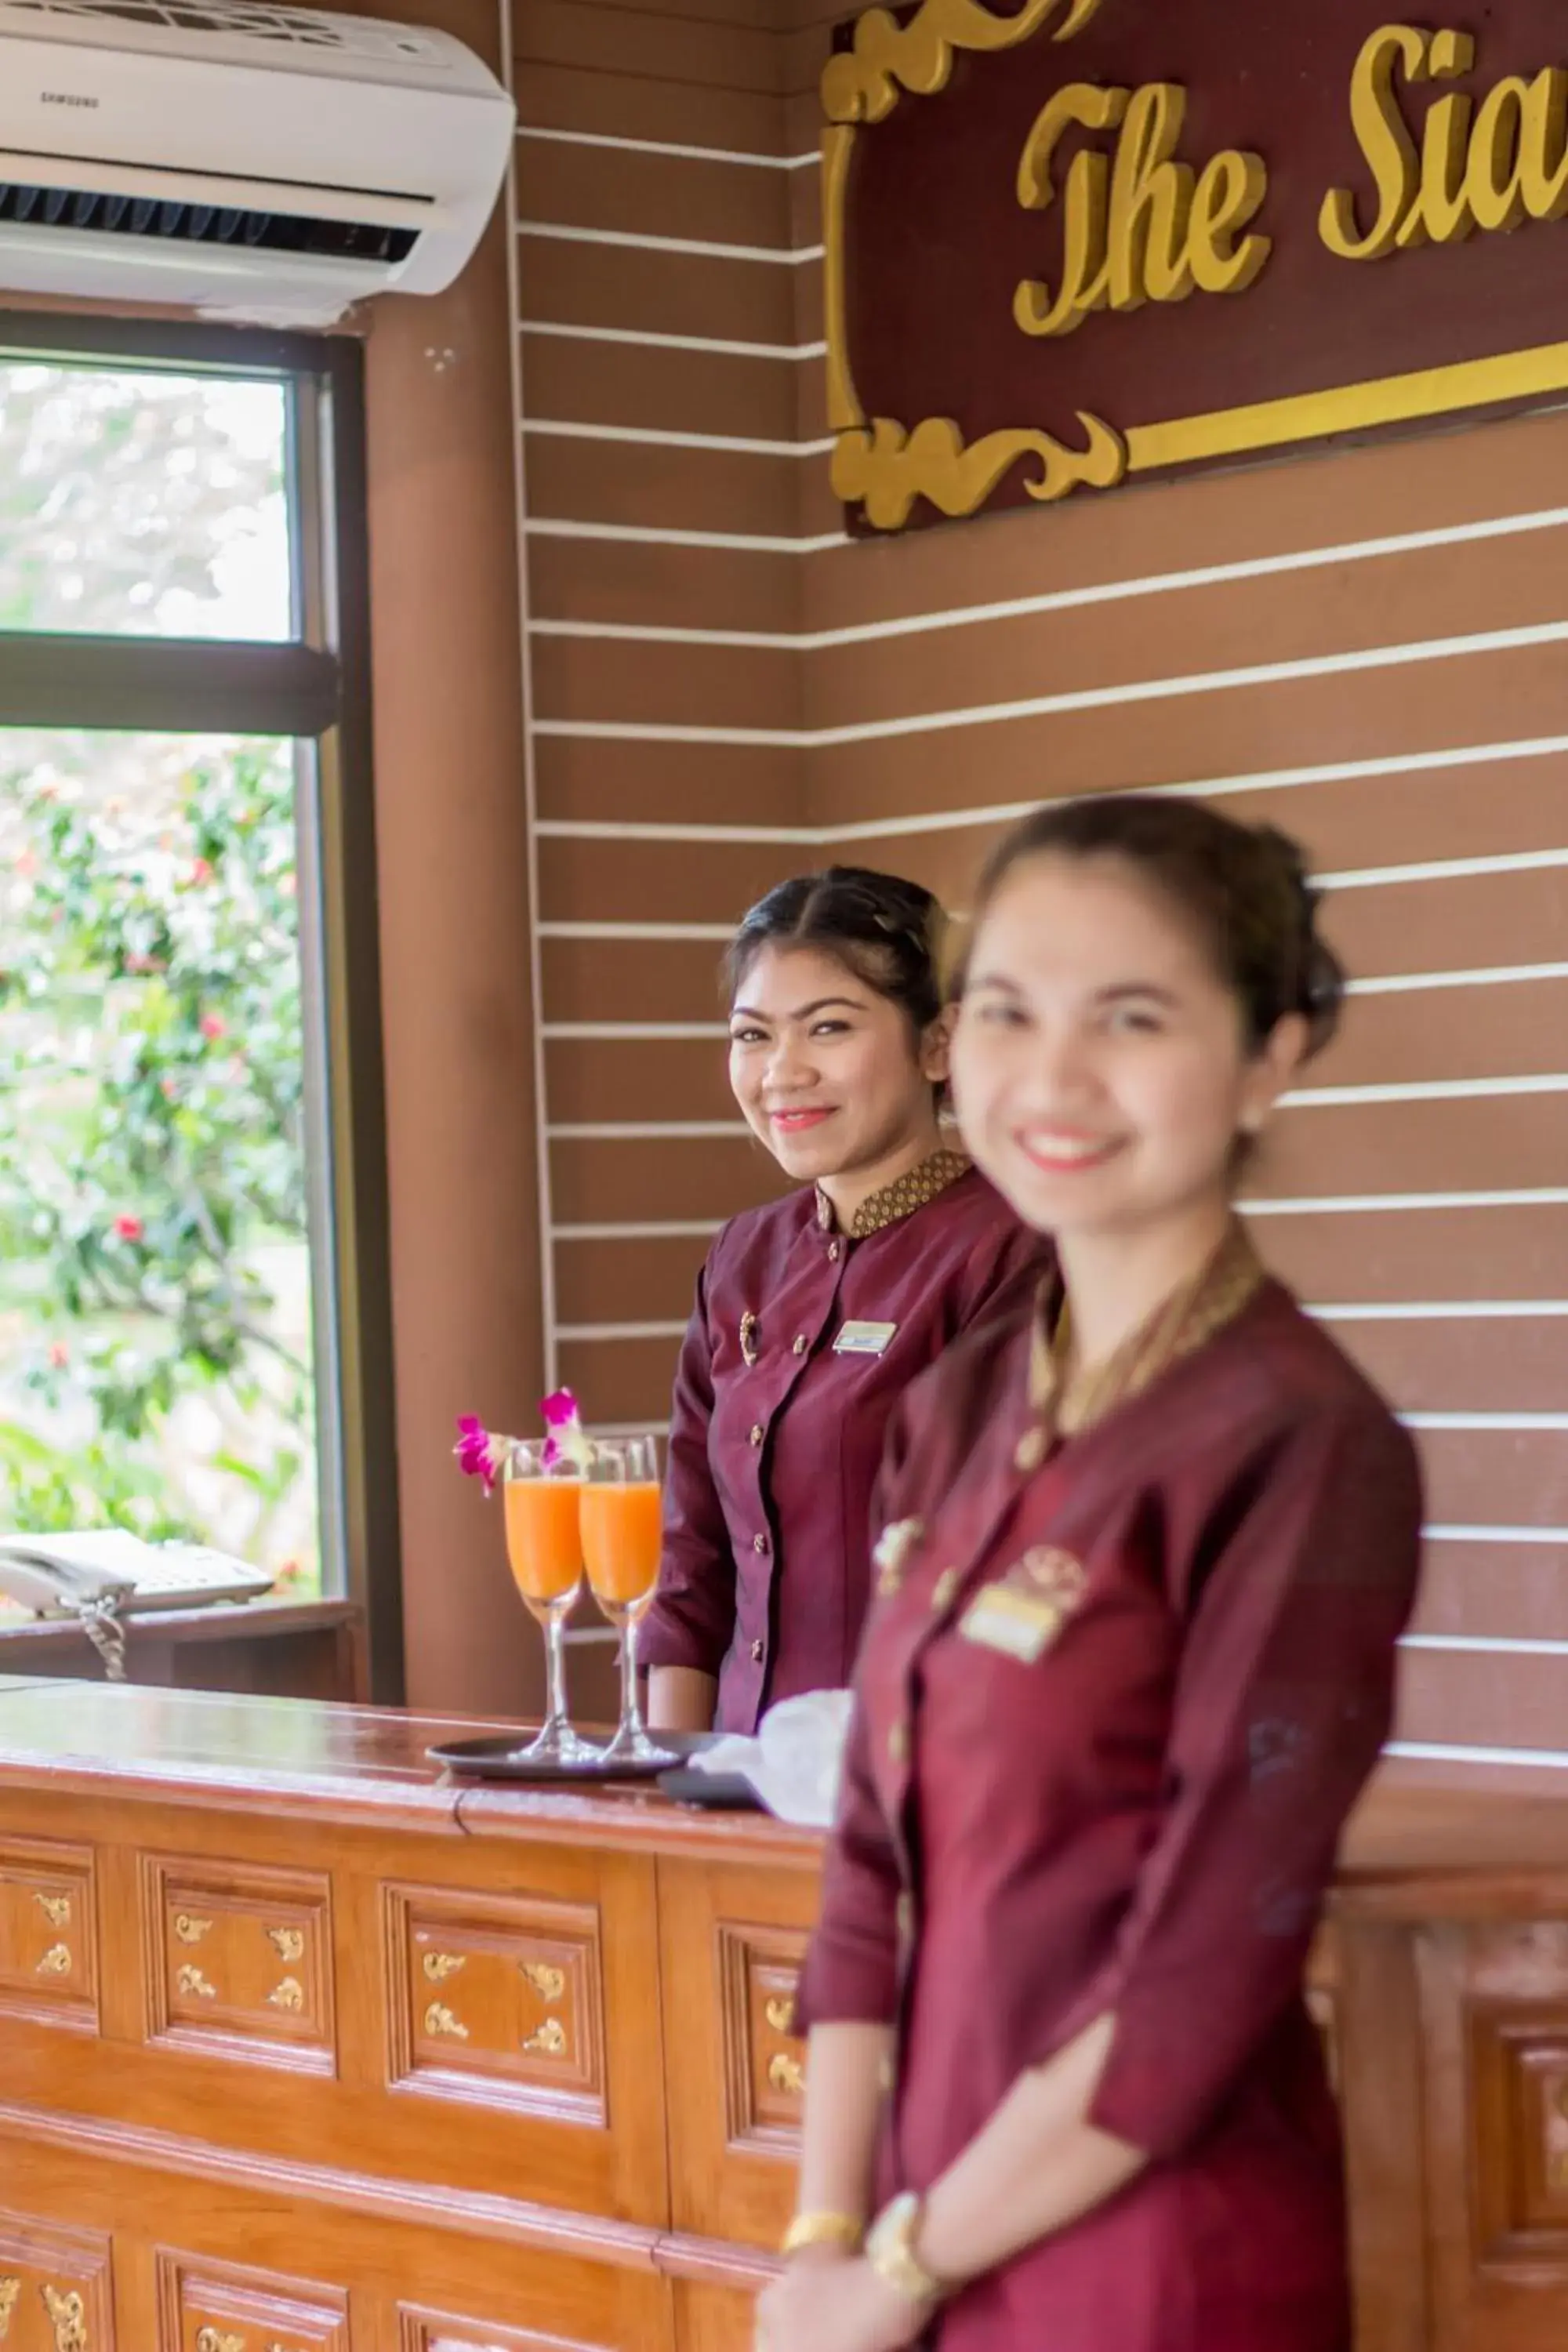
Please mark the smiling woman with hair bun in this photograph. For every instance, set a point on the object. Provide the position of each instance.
(1157, 1542)
(813, 1314)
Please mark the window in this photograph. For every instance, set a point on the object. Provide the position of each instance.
(194, 1318)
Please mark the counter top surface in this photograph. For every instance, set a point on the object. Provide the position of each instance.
(336, 1762)
(355, 1763)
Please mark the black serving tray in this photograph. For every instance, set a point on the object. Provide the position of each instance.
(503, 1756)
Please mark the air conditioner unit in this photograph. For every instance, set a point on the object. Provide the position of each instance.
(242, 159)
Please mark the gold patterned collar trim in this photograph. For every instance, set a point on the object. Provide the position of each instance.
(1075, 1399)
(899, 1200)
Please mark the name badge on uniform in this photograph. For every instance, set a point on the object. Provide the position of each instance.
(864, 1339)
(1024, 1611)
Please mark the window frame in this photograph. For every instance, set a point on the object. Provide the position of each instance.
(316, 689)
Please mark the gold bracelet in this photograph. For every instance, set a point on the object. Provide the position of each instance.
(823, 2230)
(890, 2251)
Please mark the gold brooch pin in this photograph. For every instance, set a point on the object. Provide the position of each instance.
(747, 1339)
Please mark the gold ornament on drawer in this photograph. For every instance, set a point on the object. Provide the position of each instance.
(547, 1982)
(290, 1995)
(212, 2339)
(439, 2020)
(550, 2041)
(786, 2073)
(289, 1943)
(56, 1908)
(189, 1931)
(56, 1962)
(439, 1966)
(10, 2292)
(68, 2317)
(780, 2013)
(191, 1982)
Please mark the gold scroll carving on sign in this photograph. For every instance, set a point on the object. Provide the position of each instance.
(439, 2020)
(548, 2040)
(289, 1943)
(194, 1985)
(878, 462)
(289, 1995)
(189, 1931)
(10, 2294)
(68, 2317)
(548, 1982)
(56, 1908)
(786, 2073)
(56, 1962)
(214, 2339)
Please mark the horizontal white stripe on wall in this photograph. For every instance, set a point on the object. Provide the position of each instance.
(723, 346)
(1481, 1424)
(609, 1331)
(641, 1032)
(890, 829)
(565, 233)
(1502, 975)
(1431, 1751)
(1427, 1091)
(668, 147)
(1510, 1534)
(1443, 1310)
(1051, 706)
(666, 931)
(667, 1229)
(1486, 1645)
(1069, 599)
(1443, 869)
(641, 535)
(646, 436)
(644, 1130)
(1355, 1204)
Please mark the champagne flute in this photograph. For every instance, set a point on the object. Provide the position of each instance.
(544, 1547)
(622, 1537)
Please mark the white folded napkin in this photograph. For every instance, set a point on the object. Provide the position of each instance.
(795, 1762)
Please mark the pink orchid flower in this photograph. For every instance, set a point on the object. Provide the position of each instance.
(567, 1441)
(476, 1450)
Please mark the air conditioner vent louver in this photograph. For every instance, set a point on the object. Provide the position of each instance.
(249, 19)
(155, 220)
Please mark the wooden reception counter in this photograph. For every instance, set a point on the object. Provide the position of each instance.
(301, 2048)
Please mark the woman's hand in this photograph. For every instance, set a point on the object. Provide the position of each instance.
(840, 2304)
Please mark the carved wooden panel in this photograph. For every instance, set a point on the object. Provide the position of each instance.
(764, 2064)
(1520, 2075)
(1494, 2001)
(439, 2331)
(48, 1933)
(214, 2307)
(238, 1961)
(496, 1999)
(55, 2289)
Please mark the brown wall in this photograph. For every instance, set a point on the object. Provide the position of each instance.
(1366, 646)
(453, 870)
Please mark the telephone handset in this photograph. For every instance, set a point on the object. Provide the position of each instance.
(102, 1576)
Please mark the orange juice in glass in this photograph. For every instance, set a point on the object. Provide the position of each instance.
(544, 1547)
(622, 1527)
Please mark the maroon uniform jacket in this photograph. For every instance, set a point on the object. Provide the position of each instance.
(1111, 1717)
(802, 1341)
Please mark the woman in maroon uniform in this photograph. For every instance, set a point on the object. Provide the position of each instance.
(814, 1313)
(1151, 1548)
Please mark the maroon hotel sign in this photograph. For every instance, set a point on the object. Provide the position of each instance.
(1091, 239)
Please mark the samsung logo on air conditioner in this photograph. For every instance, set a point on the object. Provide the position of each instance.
(64, 98)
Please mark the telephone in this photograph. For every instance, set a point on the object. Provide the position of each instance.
(111, 1571)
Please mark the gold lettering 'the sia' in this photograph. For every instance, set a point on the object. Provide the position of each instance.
(1137, 225)
(1488, 166)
